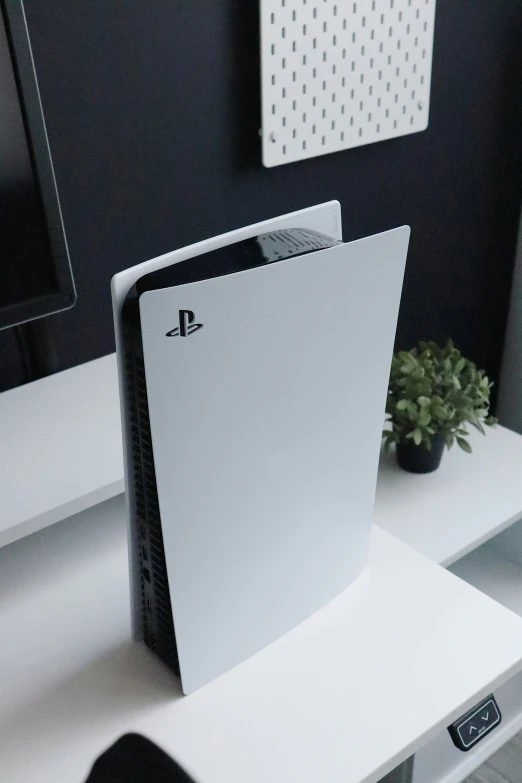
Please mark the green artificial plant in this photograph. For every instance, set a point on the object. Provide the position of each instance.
(434, 391)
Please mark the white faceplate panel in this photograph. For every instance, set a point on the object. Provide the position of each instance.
(337, 74)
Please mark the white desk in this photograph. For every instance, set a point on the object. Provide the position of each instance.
(342, 699)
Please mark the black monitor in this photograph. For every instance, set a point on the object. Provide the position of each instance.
(35, 271)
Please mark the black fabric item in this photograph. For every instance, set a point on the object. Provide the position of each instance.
(135, 759)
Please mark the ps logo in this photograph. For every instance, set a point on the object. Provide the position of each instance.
(186, 325)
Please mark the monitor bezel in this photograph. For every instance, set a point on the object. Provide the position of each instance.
(12, 15)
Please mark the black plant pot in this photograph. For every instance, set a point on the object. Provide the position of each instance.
(417, 459)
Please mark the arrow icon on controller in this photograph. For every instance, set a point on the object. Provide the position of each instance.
(486, 716)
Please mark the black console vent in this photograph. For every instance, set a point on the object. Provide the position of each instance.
(237, 257)
(156, 607)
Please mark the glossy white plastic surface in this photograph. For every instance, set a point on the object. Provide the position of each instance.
(266, 478)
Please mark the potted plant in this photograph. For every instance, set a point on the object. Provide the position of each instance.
(434, 393)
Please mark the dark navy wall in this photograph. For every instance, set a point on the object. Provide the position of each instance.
(153, 114)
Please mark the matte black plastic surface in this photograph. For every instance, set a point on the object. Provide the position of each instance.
(135, 759)
(476, 724)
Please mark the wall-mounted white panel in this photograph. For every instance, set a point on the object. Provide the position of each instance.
(337, 74)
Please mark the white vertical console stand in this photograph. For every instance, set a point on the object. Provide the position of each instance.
(249, 508)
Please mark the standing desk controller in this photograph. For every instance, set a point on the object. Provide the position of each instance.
(475, 724)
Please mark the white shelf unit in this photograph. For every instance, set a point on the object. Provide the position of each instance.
(467, 517)
(60, 447)
(467, 501)
(492, 570)
(495, 569)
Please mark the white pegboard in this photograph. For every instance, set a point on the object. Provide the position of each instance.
(337, 74)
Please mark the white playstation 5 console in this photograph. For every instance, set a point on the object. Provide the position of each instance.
(253, 373)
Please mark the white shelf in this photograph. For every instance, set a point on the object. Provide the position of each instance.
(439, 761)
(60, 447)
(344, 697)
(492, 574)
(450, 512)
